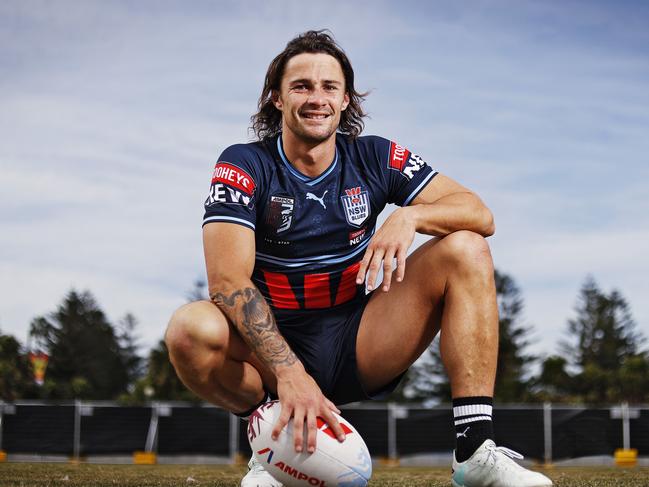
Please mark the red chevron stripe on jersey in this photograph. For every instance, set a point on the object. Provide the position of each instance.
(347, 288)
(317, 293)
(317, 289)
(281, 293)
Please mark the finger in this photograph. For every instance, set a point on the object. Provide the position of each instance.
(374, 267)
(401, 264)
(332, 406)
(387, 269)
(334, 424)
(312, 430)
(362, 270)
(298, 429)
(283, 420)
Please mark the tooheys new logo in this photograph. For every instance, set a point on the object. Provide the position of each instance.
(404, 161)
(231, 185)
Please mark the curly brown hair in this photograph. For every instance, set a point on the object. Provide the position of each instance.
(267, 122)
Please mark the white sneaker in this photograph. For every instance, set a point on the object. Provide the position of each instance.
(492, 466)
(257, 476)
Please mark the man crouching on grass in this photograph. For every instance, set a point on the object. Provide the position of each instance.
(291, 246)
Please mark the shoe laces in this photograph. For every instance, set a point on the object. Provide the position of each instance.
(255, 467)
(494, 450)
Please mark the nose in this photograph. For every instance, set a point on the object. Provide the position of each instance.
(316, 97)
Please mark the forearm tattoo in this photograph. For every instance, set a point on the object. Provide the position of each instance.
(249, 312)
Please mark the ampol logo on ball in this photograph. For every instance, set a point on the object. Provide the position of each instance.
(293, 472)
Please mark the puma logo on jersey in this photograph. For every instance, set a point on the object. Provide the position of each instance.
(311, 196)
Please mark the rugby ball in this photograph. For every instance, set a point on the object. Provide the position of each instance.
(346, 464)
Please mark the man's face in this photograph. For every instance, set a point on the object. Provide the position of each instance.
(312, 96)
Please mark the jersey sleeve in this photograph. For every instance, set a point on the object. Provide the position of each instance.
(404, 173)
(233, 189)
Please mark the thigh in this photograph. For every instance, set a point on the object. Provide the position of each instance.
(398, 325)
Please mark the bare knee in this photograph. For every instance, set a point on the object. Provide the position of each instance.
(468, 251)
(194, 327)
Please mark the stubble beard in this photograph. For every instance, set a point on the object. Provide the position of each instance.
(313, 137)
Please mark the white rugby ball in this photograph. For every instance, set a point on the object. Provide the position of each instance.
(346, 464)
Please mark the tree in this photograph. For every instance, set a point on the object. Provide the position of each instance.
(513, 363)
(426, 378)
(161, 381)
(129, 348)
(604, 329)
(634, 378)
(604, 347)
(554, 382)
(87, 360)
(16, 379)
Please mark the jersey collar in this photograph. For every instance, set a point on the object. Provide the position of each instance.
(305, 179)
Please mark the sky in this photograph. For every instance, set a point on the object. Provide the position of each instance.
(112, 115)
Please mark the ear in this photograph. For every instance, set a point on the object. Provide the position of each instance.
(345, 102)
(277, 101)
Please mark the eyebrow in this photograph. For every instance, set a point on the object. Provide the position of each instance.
(308, 81)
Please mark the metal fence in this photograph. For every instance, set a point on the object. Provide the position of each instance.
(546, 432)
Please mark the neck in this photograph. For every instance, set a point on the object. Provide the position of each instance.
(310, 158)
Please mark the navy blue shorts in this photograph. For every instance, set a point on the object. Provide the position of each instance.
(325, 342)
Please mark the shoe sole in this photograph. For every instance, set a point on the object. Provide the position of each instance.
(455, 484)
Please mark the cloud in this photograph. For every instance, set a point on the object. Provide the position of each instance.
(113, 114)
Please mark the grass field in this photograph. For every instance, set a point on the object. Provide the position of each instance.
(91, 475)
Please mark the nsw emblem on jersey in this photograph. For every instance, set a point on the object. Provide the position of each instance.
(280, 213)
(356, 204)
(404, 161)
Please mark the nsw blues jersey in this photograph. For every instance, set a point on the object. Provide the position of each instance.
(311, 233)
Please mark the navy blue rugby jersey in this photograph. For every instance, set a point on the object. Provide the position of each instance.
(311, 233)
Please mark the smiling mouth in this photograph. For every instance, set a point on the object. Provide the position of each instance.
(315, 116)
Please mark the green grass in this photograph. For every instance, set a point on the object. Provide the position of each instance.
(91, 475)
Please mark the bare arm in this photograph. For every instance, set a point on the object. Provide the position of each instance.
(443, 207)
(230, 258)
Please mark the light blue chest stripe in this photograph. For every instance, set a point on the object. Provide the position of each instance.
(297, 174)
(322, 259)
